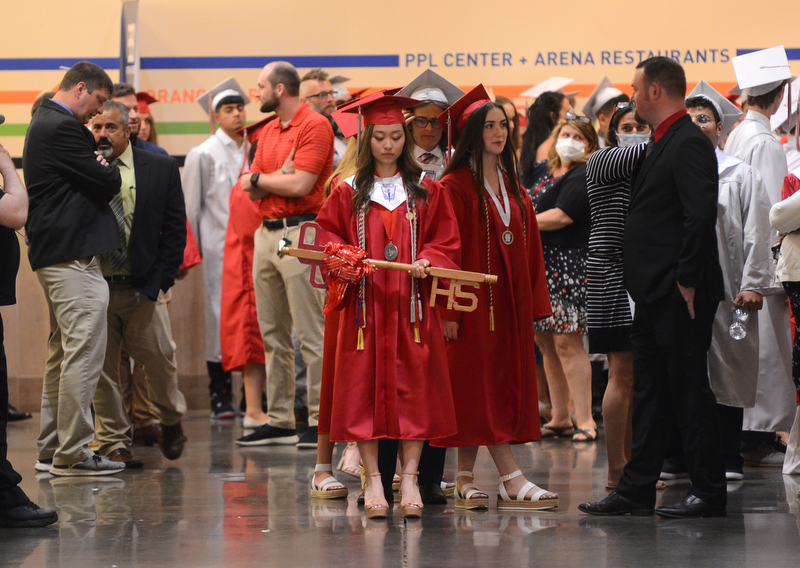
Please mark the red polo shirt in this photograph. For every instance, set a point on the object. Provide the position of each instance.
(311, 135)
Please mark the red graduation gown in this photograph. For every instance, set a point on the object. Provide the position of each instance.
(240, 338)
(493, 373)
(395, 387)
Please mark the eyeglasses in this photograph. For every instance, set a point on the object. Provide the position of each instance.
(422, 122)
(582, 119)
(322, 95)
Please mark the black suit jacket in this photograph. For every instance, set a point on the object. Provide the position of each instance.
(69, 216)
(158, 232)
(669, 232)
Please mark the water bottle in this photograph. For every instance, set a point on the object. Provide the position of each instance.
(738, 328)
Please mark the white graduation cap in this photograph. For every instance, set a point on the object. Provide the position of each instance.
(604, 92)
(728, 112)
(431, 87)
(556, 84)
(761, 71)
(228, 88)
(780, 118)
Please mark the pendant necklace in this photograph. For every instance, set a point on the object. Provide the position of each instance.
(504, 208)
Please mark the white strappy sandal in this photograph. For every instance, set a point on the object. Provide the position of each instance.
(329, 488)
(524, 501)
(470, 497)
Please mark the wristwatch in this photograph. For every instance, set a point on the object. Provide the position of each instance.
(254, 179)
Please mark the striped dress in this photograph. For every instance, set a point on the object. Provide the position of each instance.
(608, 177)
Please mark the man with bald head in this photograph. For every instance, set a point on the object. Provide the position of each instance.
(289, 196)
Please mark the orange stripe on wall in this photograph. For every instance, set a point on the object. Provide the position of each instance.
(18, 97)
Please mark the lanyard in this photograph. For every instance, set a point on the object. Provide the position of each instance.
(504, 209)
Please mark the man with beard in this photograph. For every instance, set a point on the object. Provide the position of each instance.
(70, 224)
(138, 276)
(209, 174)
(672, 272)
(284, 294)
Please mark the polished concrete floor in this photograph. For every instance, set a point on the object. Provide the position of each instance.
(220, 505)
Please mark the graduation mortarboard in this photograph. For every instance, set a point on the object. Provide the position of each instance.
(430, 87)
(784, 116)
(210, 100)
(727, 111)
(348, 121)
(145, 99)
(761, 71)
(380, 108)
(338, 79)
(604, 92)
(455, 117)
(556, 84)
(254, 130)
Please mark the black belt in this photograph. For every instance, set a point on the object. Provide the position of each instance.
(275, 224)
(118, 278)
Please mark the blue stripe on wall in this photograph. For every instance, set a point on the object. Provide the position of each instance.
(252, 62)
(793, 53)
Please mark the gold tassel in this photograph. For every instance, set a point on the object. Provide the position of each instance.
(416, 335)
(491, 318)
(360, 344)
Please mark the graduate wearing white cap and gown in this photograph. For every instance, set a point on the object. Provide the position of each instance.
(742, 229)
(209, 173)
(781, 120)
(435, 94)
(760, 73)
(601, 105)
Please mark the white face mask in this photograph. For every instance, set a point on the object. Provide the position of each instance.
(626, 140)
(570, 149)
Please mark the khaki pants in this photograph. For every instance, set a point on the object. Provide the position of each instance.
(144, 327)
(134, 392)
(77, 299)
(286, 299)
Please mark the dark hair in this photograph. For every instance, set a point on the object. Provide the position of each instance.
(122, 90)
(765, 100)
(611, 105)
(230, 100)
(703, 102)
(285, 74)
(540, 125)
(315, 75)
(443, 139)
(410, 170)
(38, 102)
(90, 74)
(470, 145)
(667, 73)
(516, 138)
(613, 125)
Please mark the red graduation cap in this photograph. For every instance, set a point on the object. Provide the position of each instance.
(145, 99)
(254, 130)
(380, 108)
(455, 117)
(347, 121)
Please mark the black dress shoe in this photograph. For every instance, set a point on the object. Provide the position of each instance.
(616, 504)
(172, 441)
(691, 506)
(15, 415)
(28, 515)
(432, 494)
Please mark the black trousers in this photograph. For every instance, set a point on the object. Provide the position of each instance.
(431, 464)
(10, 494)
(670, 382)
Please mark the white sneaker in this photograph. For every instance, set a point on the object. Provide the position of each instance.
(43, 465)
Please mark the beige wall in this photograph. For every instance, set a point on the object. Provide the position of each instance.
(26, 331)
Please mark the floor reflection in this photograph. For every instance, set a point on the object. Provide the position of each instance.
(224, 506)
